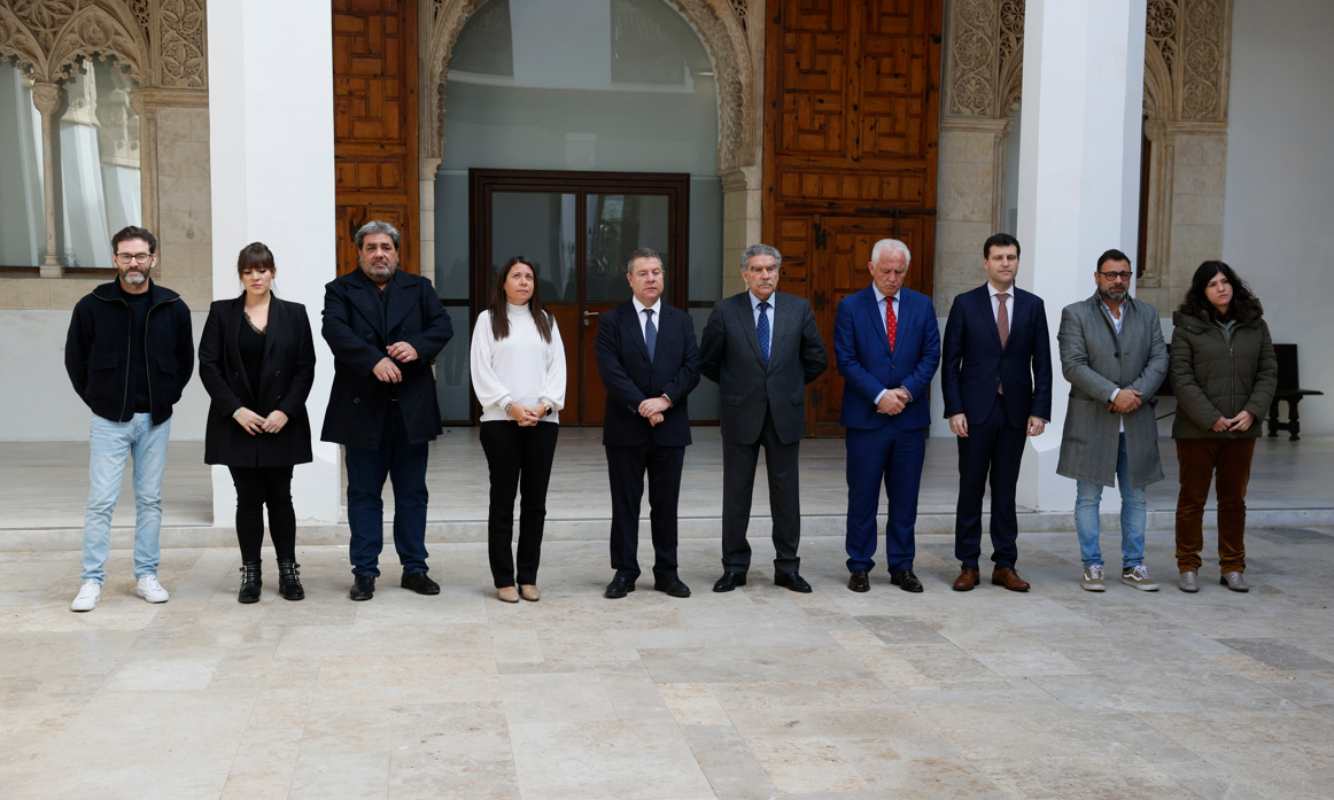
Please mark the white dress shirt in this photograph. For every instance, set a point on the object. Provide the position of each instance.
(995, 303)
(1116, 325)
(643, 318)
(521, 368)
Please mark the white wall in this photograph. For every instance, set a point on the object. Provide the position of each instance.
(41, 405)
(1279, 200)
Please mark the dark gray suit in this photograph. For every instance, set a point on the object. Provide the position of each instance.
(763, 405)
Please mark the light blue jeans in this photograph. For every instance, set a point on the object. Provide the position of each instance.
(1134, 516)
(110, 445)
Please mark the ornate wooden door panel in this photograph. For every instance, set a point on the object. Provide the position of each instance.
(375, 122)
(853, 89)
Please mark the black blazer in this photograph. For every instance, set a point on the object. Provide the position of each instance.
(359, 333)
(631, 378)
(285, 378)
(973, 363)
(730, 356)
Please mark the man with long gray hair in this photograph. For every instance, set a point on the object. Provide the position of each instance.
(762, 347)
(385, 328)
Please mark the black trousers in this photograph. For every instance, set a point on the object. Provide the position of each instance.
(625, 470)
(780, 461)
(257, 487)
(519, 460)
(990, 453)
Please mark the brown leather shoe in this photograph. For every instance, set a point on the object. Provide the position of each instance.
(1007, 577)
(967, 580)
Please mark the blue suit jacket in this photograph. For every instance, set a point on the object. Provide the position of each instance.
(868, 366)
(975, 363)
(631, 378)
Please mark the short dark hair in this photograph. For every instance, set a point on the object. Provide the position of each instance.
(255, 255)
(1111, 255)
(134, 232)
(643, 252)
(999, 240)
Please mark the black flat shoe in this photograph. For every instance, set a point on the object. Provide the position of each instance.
(674, 587)
(289, 581)
(905, 580)
(729, 581)
(618, 588)
(419, 583)
(251, 583)
(793, 581)
(363, 587)
(859, 582)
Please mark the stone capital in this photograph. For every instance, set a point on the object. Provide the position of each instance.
(46, 96)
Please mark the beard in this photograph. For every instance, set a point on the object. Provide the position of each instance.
(379, 273)
(134, 277)
(1113, 295)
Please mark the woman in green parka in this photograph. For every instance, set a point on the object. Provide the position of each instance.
(1224, 373)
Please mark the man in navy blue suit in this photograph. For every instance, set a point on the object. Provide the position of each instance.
(649, 363)
(996, 379)
(888, 346)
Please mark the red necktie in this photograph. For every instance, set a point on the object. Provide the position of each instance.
(891, 322)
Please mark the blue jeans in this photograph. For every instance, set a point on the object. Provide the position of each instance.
(110, 444)
(405, 464)
(1134, 516)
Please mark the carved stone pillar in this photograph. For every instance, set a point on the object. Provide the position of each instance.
(743, 219)
(46, 96)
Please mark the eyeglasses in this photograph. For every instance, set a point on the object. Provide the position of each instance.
(1115, 276)
(133, 258)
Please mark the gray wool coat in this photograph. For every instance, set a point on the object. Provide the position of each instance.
(1096, 361)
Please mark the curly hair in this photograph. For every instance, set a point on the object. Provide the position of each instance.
(1245, 306)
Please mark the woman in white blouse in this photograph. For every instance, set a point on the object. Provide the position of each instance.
(518, 375)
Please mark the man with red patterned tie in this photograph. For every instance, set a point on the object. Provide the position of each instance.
(887, 344)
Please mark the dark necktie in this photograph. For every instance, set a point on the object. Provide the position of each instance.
(650, 334)
(762, 330)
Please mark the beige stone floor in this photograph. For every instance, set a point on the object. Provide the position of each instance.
(757, 694)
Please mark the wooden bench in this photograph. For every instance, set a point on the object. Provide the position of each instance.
(1289, 389)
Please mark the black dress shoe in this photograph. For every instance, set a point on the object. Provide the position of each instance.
(793, 581)
(419, 583)
(859, 582)
(363, 587)
(905, 580)
(729, 581)
(618, 588)
(674, 587)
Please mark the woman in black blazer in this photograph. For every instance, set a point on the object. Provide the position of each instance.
(257, 361)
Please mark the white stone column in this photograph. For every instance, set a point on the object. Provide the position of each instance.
(271, 144)
(1078, 177)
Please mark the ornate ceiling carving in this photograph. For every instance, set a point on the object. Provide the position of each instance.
(160, 43)
(719, 28)
(1185, 58)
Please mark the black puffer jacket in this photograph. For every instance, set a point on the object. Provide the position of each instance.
(1214, 377)
(97, 355)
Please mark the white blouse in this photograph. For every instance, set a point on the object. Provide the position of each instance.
(521, 368)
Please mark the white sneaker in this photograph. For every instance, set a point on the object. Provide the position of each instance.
(1092, 579)
(149, 589)
(86, 600)
(1139, 578)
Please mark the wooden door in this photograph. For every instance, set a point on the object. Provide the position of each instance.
(577, 229)
(375, 123)
(853, 90)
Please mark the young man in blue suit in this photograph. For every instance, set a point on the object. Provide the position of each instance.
(888, 346)
(996, 379)
(649, 363)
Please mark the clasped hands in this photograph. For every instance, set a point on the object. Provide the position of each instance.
(959, 425)
(1238, 424)
(386, 371)
(526, 416)
(653, 409)
(1127, 401)
(253, 423)
(893, 401)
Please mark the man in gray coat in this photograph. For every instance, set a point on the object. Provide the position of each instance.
(1113, 354)
(762, 347)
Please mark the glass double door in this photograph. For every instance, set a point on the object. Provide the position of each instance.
(577, 229)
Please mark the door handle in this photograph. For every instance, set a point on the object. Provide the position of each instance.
(589, 315)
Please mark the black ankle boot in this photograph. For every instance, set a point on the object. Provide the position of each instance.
(289, 580)
(250, 583)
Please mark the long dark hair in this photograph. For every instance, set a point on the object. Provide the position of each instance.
(500, 319)
(1245, 306)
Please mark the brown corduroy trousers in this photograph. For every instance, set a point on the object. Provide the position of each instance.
(1199, 460)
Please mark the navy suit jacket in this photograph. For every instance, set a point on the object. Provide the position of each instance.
(869, 367)
(975, 364)
(631, 378)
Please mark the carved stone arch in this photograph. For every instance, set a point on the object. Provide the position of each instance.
(1158, 95)
(719, 30)
(18, 44)
(100, 31)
